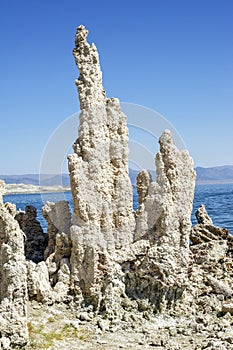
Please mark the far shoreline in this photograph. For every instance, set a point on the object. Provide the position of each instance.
(33, 189)
(214, 182)
(12, 189)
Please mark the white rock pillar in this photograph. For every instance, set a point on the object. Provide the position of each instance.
(103, 219)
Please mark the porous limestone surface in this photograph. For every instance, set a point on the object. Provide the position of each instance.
(202, 216)
(104, 222)
(103, 219)
(57, 254)
(144, 180)
(58, 217)
(49, 280)
(13, 280)
(205, 231)
(163, 219)
(100, 184)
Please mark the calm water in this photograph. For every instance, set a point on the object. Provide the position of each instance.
(218, 200)
(37, 200)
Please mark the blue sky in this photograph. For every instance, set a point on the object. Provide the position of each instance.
(173, 56)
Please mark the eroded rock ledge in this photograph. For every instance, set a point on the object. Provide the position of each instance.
(112, 265)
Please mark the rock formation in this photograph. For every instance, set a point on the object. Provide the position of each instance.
(57, 254)
(170, 196)
(163, 219)
(103, 227)
(58, 217)
(100, 184)
(208, 296)
(205, 231)
(115, 267)
(202, 216)
(144, 180)
(102, 194)
(49, 281)
(36, 239)
(13, 280)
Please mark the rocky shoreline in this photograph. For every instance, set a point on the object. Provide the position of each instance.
(104, 276)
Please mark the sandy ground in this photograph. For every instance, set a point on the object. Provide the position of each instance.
(57, 327)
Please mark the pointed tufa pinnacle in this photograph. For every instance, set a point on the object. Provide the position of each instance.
(103, 218)
(99, 165)
(89, 83)
(81, 35)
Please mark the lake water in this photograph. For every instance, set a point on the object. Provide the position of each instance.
(218, 200)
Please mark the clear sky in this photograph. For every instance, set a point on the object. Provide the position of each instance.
(173, 56)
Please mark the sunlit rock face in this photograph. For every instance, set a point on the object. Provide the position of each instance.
(49, 280)
(167, 204)
(100, 184)
(13, 283)
(103, 220)
(58, 251)
(163, 219)
(205, 232)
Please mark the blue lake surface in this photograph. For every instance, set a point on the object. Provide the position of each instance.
(218, 200)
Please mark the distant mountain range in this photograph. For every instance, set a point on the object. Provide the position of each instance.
(36, 179)
(214, 175)
(217, 174)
